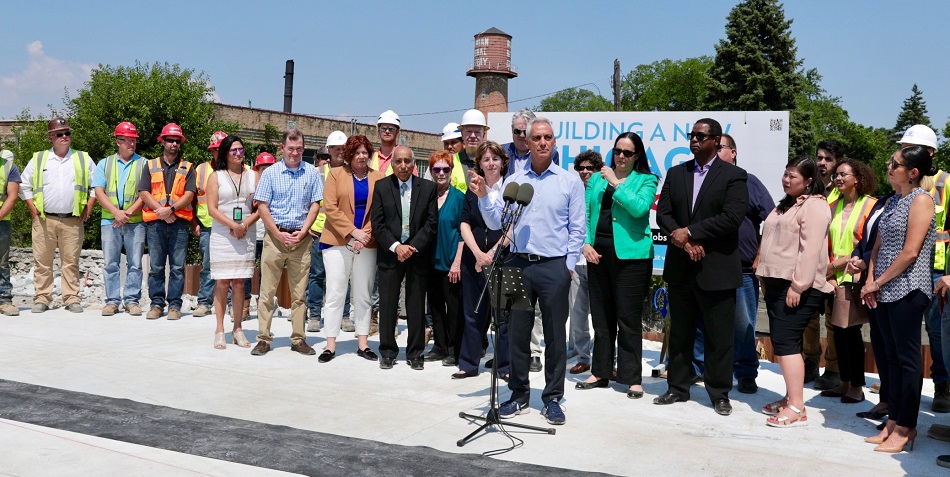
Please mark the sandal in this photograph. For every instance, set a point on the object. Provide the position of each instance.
(239, 339)
(776, 407)
(219, 341)
(785, 421)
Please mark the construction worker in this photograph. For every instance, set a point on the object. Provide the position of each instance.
(452, 138)
(9, 188)
(116, 184)
(201, 227)
(167, 187)
(56, 188)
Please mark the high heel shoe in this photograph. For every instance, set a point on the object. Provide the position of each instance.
(896, 448)
(239, 339)
(878, 439)
(219, 341)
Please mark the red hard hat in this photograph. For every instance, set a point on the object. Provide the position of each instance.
(126, 129)
(216, 139)
(264, 159)
(171, 129)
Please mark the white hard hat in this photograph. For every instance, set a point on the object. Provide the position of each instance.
(388, 117)
(920, 135)
(336, 138)
(474, 117)
(451, 131)
(6, 155)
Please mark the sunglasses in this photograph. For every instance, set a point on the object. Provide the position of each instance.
(584, 168)
(624, 153)
(388, 128)
(175, 141)
(699, 136)
(441, 170)
(519, 132)
(894, 164)
(67, 134)
(237, 151)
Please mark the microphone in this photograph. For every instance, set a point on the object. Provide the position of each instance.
(510, 195)
(525, 194)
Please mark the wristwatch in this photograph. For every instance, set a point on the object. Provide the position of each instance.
(172, 207)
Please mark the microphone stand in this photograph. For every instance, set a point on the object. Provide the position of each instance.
(500, 316)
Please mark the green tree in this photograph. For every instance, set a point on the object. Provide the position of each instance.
(942, 159)
(666, 85)
(914, 111)
(819, 116)
(756, 68)
(575, 99)
(873, 146)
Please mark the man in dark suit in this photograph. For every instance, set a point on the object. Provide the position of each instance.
(701, 206)
(404, 238)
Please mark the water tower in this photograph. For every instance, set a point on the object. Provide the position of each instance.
(492, 69)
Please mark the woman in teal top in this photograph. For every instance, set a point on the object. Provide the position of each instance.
(619, 253)
(445, 287)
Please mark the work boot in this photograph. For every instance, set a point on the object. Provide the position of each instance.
(374, 322)
(202, 310)
(941, 398)
(110, 310)
(347, 325)
(811, 371)
(9, 310)
(828, 380)
(247, 310)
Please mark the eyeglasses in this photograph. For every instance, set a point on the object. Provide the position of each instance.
(388, 128)
(350, 248)
(841, 175)
(441, 170)
(67, 134)
(237, 151)
(699, 136)
(723, 146)
(624, 153)
(519, 132)
(584, 168)
(894, 164)
(175, 141)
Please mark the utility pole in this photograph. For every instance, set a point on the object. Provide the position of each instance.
(616, 84)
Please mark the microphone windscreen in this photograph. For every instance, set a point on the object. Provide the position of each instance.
(511, 192)
(525, 193)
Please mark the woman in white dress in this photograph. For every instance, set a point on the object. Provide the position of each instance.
(232, 234)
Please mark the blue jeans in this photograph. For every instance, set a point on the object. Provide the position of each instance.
(745, 358)
(166, 242)
(6, 288)
(932, 323)
(132, 238)
(205, 282)
(317, 284)
(578, 342)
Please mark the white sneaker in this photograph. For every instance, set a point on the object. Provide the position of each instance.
(313, 325)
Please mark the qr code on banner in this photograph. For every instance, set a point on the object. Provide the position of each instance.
(776, 124)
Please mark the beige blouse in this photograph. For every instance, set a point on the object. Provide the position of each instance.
(795, 245)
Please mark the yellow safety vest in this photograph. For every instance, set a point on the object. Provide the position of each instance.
(80, 190)
(318, 224)
(939, 193)
(459, 175)
(202, 173)
(129, 191)
(4, 174)
(374, 164)
(843, 243)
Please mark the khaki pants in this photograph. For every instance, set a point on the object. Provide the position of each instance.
(275, 257)
(811, 342)
(66, 233)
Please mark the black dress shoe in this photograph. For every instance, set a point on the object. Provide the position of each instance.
(450, 361)
(463, 375)
(303, 348)
(875, 415)
(634, 394)
(489, 363)
(536, 365)
(434, 357)
(669, 398)
(600, 383)
(722, 407)
(326, 356)
(367, 354)
(386, 363)
(416, 364)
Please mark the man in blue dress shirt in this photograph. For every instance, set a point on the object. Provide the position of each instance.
(547, 243)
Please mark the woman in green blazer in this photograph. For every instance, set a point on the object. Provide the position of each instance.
(619, 252)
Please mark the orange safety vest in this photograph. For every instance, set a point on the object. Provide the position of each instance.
(158, 189)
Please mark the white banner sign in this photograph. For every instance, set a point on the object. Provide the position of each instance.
(761, 141)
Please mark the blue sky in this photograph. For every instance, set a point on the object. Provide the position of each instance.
(360, 58)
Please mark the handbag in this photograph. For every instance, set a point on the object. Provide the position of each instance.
(848, 310)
